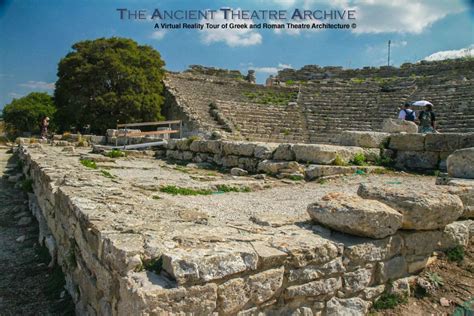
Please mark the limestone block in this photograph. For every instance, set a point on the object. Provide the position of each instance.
(238, 172)
(174, 154)
(466, 194)
(421, 242)
(95, 139)
(324, 154)
(275, 167)
(203, 265)
(461, 163)
(371, 293)
(314, 288)
(233, 295)
(268, 256)
(284, 152)
(121, 251)
(417, 160)
(214, 146)
(351, 307)
(313, 172)
(265, 150)
(188, 155)
(265, 284)
(442, 142)
(356, 281)
(361, 250)
(398, 126)
(425, 208)
(407, 142)
(183, 144)
(313, 272)
(147, 293)
(249, 164)
(455, 234)
(354, 215)
(230, 161)
(392, 269)
(238, 148)
(364, 139)
(199, 146)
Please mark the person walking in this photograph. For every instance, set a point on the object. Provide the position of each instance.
(427, 119)
(407, 113)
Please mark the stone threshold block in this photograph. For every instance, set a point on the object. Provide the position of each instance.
(354, 215)
(425, 208)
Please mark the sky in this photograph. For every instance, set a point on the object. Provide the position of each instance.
(36, 34)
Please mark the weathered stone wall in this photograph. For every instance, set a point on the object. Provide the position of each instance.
(451, 68)
(103, 242)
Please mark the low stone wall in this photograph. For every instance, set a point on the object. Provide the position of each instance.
(412, 151)
(310, 161)
(299, 268)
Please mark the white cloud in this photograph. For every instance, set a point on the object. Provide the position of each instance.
(231, 37)
(452, 54)
(158, 34)
(15, 95)
(271, 70)
(383, 16)
(41, 85)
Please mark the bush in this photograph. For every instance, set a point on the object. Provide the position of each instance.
(359, 159)
(25, 114)
(338, 161)
(388, 301)
(455, 254)
(103, 81)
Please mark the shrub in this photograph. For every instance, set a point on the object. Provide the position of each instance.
(388, 301)
(338, 161)
(115, 153)
(359, 159)
(455, 254)
(89, 163)
(25, 114)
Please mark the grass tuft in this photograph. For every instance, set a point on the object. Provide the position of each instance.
(455, 254)
(89, 163)
(174, 190)
(389, 301)
(115, 153)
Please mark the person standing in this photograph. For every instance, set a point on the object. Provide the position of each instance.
(427, 120)
(44, 127)
(407, 113)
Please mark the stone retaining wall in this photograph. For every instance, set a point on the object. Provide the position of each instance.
(302, 268)
(310, 161)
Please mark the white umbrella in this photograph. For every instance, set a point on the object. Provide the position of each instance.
(421, 103)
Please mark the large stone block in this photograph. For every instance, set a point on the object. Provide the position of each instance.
(275, 167)
(407, 142)
(392, 269)
(398, 126)
(313, 272)
(203, 265)
(324, 154)
(265, 150)
(233, 295)
(315, 288)
(284, 152)
(238, 148)
(354, 215)
(466, 194)
(417, 160)
(362, 250)
(351, 307)
(461, 163)
(425, 208)
(364, 139)
(265, 284)
(442, 142)
(357, 280)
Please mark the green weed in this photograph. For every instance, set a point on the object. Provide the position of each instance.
(89, 163)
(359, 159)
(115, 153)
(455, 254)
(107, 174)
(174, 190)
(389, 301)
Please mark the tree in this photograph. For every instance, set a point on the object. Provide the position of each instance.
(105, 80)
(25, 114)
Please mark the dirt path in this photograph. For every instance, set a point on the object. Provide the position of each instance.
(27, 286)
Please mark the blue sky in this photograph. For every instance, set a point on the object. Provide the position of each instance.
(36, 34)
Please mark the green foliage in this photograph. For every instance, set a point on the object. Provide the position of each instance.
(156, 197)
(89, 163)
(191, 139)
(271, 97)
(384, 161)
(359, 159)
(228, 188)
(115, 153)
(103, 81)
(435, 279)
(388, 301)
(107, 174)
(174, 190)
(338, 161)
(455, 254)
(286, 132)
(27, 185)
(289, 82)
(358, 80)
(25, 114)
(154, 265)
(295, 177)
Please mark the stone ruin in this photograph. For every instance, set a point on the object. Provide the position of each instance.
(267, 211)
(314, 104)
